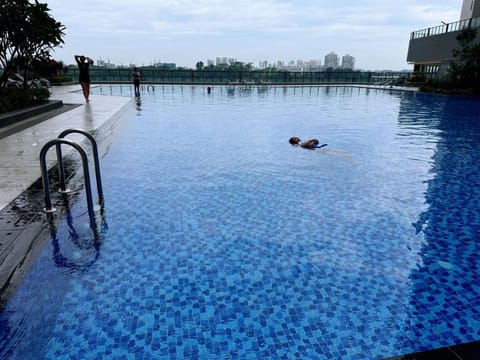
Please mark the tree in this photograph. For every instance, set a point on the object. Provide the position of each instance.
(199, 65)
(28, 34)
(465, 70)
(48, 69)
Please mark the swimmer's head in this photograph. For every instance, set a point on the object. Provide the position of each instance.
(294, 140)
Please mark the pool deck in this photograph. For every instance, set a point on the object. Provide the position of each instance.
(19, 152)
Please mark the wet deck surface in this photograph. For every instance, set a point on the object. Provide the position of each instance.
(20, 148)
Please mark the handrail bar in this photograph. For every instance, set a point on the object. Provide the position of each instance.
(95, 159)
(86, 175)
(472, 23)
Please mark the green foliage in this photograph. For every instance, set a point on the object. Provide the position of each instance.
(236, 66)
(18, 98)
(464, 72)
(28, 34)
(446, 88)
(58, 79)
(47, 69)
(417, 77)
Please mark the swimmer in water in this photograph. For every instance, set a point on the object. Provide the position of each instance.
(313, 144)
(310, 144)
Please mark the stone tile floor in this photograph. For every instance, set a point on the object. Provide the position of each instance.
(19, 152)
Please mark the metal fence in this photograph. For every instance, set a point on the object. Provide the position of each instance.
(165, 76)
(472, 23)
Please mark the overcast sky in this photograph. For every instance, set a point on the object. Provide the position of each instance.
(375, 32)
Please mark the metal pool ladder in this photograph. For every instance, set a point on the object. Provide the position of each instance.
(61, 173)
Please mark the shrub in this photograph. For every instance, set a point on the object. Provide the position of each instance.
(417, 77)
(60, 79)
(465, 70)
(448, 88)
(18, 98)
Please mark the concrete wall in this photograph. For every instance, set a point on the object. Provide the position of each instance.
(433, 48)
(470, 9)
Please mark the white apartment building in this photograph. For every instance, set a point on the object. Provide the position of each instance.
(348, 62)
(331, 60)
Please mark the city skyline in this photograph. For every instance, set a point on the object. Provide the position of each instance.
(346, 61)
(186, 32)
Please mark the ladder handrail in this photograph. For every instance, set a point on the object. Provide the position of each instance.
(86, 174)
(61, 171)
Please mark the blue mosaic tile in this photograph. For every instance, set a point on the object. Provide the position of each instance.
(240, 246)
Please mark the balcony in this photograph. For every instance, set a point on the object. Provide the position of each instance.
(435, 45)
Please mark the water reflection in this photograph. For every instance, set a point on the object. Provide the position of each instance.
(138, 103)
(74, 247)
(237, 89)
(445, 282)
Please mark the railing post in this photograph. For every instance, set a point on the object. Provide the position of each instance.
(61, 170)
(95, 158)
(86, 175)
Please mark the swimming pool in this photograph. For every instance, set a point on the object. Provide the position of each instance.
(222, 241)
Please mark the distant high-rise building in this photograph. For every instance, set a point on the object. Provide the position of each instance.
(263, 64)
(331, 60)
(225, 61)
(210, 62)
(221, 60)
(106, 64)
(312, 65)
(348, 62)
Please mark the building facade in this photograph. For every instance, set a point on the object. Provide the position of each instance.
(470, 9)
(348, 62)
(331, 61)
(431, 50)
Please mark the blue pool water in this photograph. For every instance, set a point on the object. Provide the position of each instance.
(222, 241)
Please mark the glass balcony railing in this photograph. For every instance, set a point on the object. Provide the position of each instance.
(237, 77)
(446, 28)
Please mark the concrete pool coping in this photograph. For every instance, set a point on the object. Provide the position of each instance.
(20, 170)
(19, 167)
(24, 226)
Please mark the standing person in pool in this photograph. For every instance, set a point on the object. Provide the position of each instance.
(136, 82)
(84, 63)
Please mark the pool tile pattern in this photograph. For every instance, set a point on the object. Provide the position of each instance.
(222, 264)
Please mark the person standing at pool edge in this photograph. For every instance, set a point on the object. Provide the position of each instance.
(84, 63)
(136, 82)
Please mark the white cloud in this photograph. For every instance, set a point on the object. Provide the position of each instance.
(116, 27)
